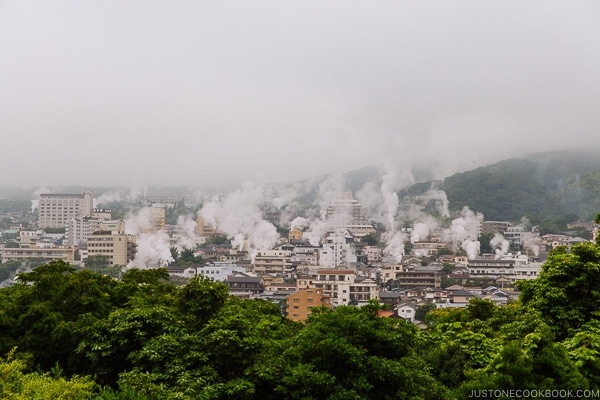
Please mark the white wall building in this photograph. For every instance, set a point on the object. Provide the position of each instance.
(219, 271)
(55, 210)
(337, 250)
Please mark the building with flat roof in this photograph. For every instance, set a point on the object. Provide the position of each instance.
(55, 210)
(299, 304)
(117, 247)
(47, 253)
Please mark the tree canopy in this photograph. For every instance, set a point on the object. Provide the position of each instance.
(67, 330)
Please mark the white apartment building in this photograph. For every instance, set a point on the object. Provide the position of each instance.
(55, 210)
(347, 213)
(514, 234)
(345, 288)
(79, 229)
(305, 255)
(278, 262)
(219, 271)
(338, 250)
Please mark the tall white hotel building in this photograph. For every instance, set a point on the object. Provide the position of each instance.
(55, 210)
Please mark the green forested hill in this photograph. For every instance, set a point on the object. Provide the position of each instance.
(559, 185)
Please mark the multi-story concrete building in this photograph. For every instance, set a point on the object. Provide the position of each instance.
(277, 262)
(49, 254)
(55, 210)
(336, 283)
(345, 288)
(374, 254)
(514, 234)
(79, 229)
(102, 214)
(419, 276)
(338, 250)
(118, 247)
(347, 213)
(299, 304)
(427, 249)
(512, 266)
(244, 286)
(158, 216)
(492, 227)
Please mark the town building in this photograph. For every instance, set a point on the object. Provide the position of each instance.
(273, 262)
(116, 246)
(427, 248)
(55, 210)
(47, 253)
(345, 288)
(219, 271)
(347, 213)
(493, 227)
(244, 286)
(299, 304)
(338, 249)
(419, 276)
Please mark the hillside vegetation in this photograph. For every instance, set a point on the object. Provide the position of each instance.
(549, 186)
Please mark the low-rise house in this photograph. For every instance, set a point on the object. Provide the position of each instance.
(244, 286)
(219, 271)
(407, 311)
(391, 298)
(181, 271)
(461, 296)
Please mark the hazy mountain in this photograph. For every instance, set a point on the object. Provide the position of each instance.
(555, 185)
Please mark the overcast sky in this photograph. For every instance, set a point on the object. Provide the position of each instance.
(193, 92)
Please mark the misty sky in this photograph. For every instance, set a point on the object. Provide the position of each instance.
(194, 92)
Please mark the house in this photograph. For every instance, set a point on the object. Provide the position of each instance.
(181, 271)
(219, 271)
(407, 311)
(461, 296)
(244, 286)
(390, 298)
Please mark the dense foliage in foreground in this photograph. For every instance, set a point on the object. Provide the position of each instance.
(76, 334)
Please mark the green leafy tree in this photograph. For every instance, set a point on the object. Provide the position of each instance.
(584, 350)
(566, 291)
(597, 222)
(534, 362)
(200, 299)
(17, 384)
(352, 353)
(97, 262)
(174, 253)
(422, 311)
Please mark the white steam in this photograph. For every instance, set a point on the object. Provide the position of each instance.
(463, 232)
(500, 245)
(134, 195)
(153, 247)
(35, 203)
(239, 216)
